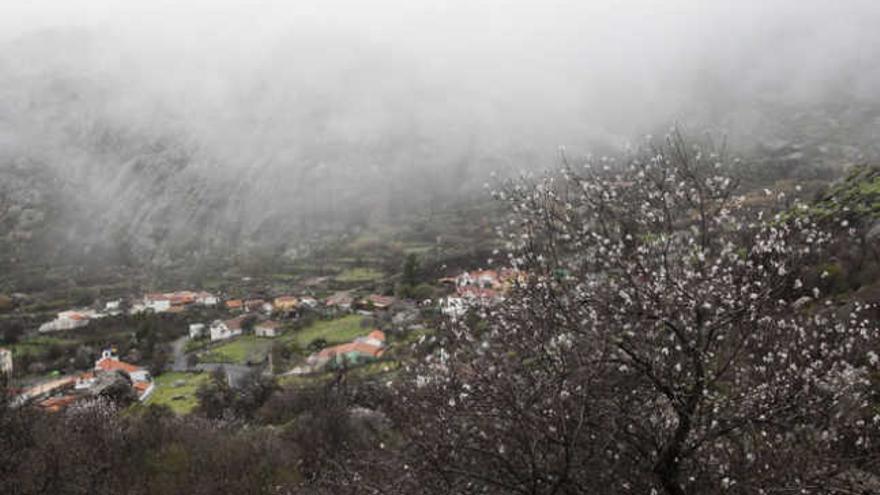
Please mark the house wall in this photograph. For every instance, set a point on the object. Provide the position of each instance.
(222, 332)
(159, 305)
(6, 361)
(265, 332)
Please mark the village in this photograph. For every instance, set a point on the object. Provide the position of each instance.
(289, 337)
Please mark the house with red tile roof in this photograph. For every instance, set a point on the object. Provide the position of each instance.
(257, 305)
(341, 300)
(47, 388)
(206, 298)
(166, 301)
(157, 302)
(360, 350)
(267, 328)
(140, 378)
(68, 320)
(226, 329)
(285, 303)
(379, 302)
(375, 338)
(58, 403)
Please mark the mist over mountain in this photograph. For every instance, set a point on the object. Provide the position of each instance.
(229, 125)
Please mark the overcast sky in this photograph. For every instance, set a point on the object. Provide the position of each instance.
(297, 108)
(614, 64)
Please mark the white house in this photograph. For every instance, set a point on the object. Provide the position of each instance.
(67, 320)
(137, 308)
(267, 329)
(85, 380)
(157, 302)
(5, 361)
(196, 330)
(221, 330)
(141, 380)
(484, 279)
(309, 301)
(376, 338)
(207, 299)
(454, 307)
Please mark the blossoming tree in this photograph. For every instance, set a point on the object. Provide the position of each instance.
(655, 346)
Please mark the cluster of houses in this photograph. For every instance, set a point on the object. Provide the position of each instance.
(465, 290)
(360, 350)
(261, 309)
(258, 309)
(344, 301)
(169, 302)
(478, 287)
(174, 301)
(59, 393)
(71, 319)
(226, 329)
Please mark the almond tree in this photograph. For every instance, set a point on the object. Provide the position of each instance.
(654, 348)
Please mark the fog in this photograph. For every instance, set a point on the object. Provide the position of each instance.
(220, 122)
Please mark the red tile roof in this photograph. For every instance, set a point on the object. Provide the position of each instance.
(235, 323)
(381, 301)
(179, 298)
(110, 364)
(377, 334)
(359, 347)
(55, 404)
(339, 299)
(141, 387)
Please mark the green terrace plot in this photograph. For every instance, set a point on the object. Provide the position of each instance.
(39, 346)
(417, 248)
(414, 336)
(336, 331)
(385, 369)
(359, 274)
(243, 350)
(178, 391)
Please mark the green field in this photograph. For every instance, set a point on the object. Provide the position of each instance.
(414, 336)
(335, 331)
(177, 391)
(374, 370)
(359, 274)
(239, 351)
(38, 346)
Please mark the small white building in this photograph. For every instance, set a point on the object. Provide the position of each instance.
(309, 301)
(453, 307)
(226, 329)
(141, 380)
(207, 299)
(267, 329)
(157, 302)
(67, 320)
(5, 361)
(196, 330)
